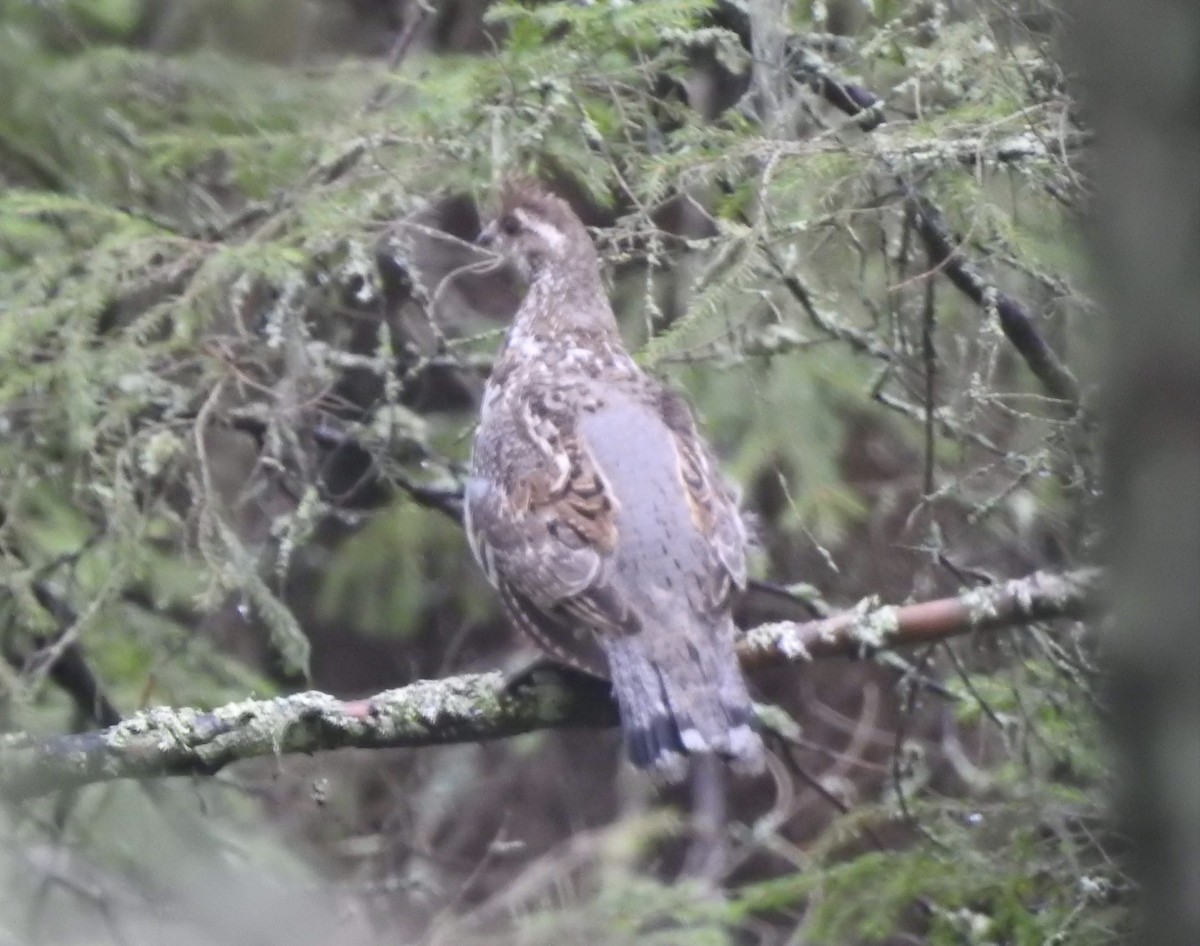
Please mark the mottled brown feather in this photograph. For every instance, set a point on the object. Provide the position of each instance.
(598, 511)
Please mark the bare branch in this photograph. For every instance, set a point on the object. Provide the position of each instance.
(1015, 321)
(481, 707)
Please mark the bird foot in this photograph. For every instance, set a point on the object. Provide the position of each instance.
(543, 669)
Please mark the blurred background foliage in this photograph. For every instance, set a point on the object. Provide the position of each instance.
(242, 335)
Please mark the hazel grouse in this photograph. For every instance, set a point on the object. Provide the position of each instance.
(597, 510)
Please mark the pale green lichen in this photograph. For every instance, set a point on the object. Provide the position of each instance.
(158, 450)
(781, 636)
(433, 703)
(873, 626)
(1025, 593)
(981, 605)
(148, 722)
(426, 704)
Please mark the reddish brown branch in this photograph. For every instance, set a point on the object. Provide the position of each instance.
(1037, 597)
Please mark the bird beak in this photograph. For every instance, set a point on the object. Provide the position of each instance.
(487, 236)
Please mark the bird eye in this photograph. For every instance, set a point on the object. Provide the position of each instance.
(510, 224)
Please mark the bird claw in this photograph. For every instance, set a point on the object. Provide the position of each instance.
(542, 669)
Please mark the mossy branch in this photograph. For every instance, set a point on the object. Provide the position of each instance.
(479, 707)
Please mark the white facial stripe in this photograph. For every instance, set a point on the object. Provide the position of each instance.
(551, 235)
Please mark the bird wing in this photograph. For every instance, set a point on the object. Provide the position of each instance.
(542, 524)
(542, 516)
(713, 501)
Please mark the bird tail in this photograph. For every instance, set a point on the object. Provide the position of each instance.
(681, 693)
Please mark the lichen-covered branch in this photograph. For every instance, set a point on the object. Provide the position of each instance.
(1018, 326)
(481, 707)
(180, 741)
(870, 627)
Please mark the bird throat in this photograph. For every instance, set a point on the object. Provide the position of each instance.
(565, 300)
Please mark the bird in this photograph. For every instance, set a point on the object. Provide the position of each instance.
(597, 510)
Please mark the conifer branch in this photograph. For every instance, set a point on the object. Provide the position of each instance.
(167, 741)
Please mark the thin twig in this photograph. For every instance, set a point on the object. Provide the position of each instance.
(399, 50)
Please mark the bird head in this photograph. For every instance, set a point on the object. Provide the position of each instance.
(537, 231)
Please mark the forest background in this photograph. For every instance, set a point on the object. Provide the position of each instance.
(243, 332)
